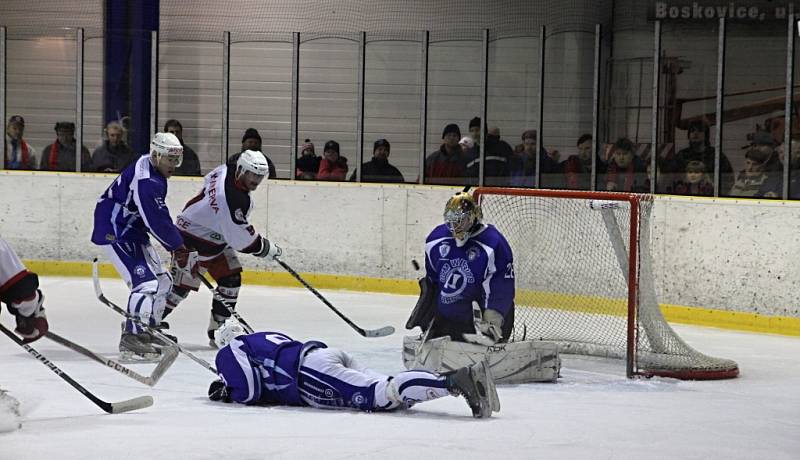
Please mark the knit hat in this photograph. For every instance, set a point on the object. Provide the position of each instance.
(307, 145)
(451, 128)
(251, 133)
(762, 138)
(529, 134)
(382, 143)
(65, 125)
(475, 122)
(16, 119)
(332, 145)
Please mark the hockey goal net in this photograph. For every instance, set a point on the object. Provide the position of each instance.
(585, 280)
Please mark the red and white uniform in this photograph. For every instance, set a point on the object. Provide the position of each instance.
(217, 216)
(12, 270)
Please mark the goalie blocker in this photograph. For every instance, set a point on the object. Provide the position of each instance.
(526, 361)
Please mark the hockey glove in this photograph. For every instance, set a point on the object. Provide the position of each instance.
(217, 391)
(492, 324)
(488, 326)
(184, 266)
(33, 326)
(268, 249)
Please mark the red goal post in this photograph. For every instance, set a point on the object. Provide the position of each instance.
(585, 279)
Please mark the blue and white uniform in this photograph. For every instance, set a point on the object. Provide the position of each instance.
(481, 270)
(131, 209)
(272, 368)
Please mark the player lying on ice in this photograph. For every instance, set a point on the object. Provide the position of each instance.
(272, 368)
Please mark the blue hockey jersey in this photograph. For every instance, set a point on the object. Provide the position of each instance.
(481, 270)
(133, 206)
(263, 367)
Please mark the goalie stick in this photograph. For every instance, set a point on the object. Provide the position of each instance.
(382, 332)
(109, 407)
(154, 331)
(249, 329)
(169, 355)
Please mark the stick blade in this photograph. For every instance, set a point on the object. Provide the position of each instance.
(131, 404)
(382, 332)
(168, 356)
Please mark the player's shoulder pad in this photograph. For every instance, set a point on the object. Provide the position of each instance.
(440, 231)
(238, 201)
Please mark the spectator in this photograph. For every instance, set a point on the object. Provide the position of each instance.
(578, 168)
(19, 154)
(754, 180)
(499, 154)
(523, 169)
(699, 149)
(191, 162)
(626, 172)
(695, 182)
(252, 141)
(333, 166)
(475, 133)
(378, 168)
(448, 164)
(794, 169)
(60, 155)
(114, 154)
(308, 163)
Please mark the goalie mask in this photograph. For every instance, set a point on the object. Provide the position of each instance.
(166, 153)
(463, 216)
(227, 332)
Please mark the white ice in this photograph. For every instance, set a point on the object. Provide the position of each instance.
(593, 412)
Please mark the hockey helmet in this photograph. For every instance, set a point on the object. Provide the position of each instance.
(167, 145)
(253, 161)
(461, 214)
(229, 330)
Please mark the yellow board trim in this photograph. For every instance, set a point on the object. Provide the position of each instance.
(735, 320)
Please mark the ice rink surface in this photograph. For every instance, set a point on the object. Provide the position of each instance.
(593, 412)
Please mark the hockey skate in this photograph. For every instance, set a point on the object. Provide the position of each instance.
(138, 348)
(476, 384)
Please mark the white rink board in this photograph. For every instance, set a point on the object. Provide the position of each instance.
(722, 254)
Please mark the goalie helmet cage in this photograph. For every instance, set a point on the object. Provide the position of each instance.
(585, 279)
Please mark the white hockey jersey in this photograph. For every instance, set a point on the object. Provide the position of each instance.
(218, 215)
(11, 268)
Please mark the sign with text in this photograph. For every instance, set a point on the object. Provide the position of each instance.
(746, 11)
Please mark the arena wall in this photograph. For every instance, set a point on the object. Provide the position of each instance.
(722, 262)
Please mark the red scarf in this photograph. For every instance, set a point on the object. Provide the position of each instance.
(614, 172)
(23, 163)
(52, 163)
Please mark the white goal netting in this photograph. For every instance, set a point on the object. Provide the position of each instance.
(573, 271)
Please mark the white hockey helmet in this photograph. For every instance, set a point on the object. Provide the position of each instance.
(229, 330)
(253, 161)
(167, 145)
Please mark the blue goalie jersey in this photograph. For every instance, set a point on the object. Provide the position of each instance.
(481, 270)
(133, 206)
(263, 367)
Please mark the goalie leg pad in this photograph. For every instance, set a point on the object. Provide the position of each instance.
(510, 363)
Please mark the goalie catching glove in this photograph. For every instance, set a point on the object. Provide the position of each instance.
(268, 249)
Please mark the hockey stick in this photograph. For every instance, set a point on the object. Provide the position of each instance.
(111, 408)
(249, 329)
(169, 356)
(154, 331)
(382, 332)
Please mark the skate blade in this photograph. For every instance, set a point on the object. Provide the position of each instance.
(128, 357)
